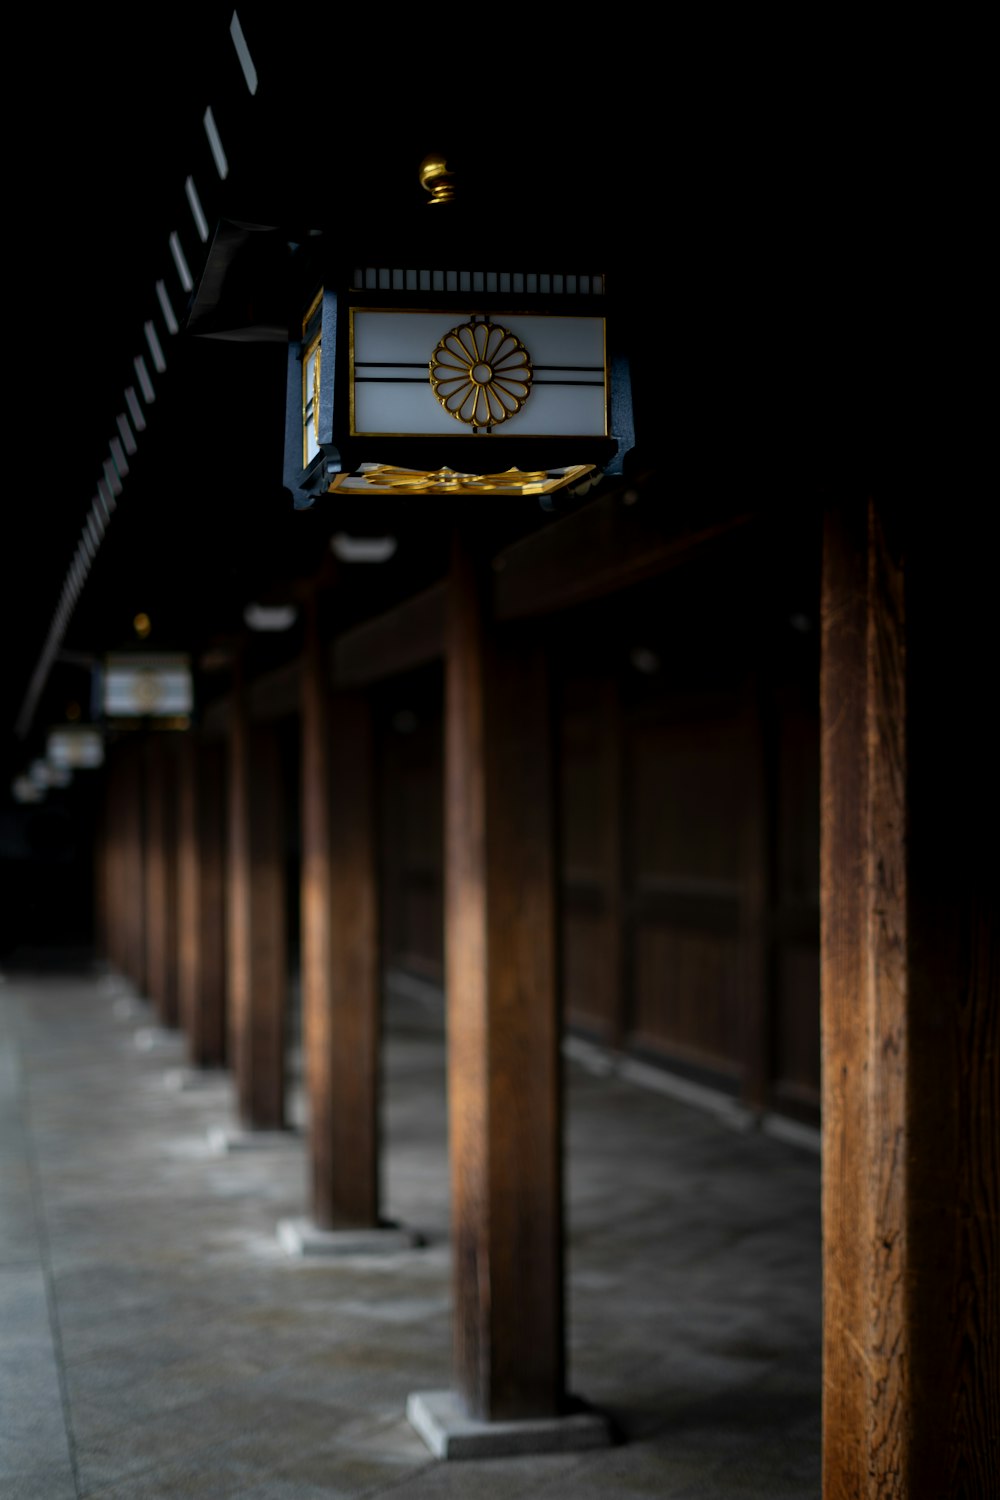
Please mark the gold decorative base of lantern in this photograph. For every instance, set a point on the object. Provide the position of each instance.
(384, 479)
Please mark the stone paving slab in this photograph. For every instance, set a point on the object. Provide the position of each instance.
(158, 1339)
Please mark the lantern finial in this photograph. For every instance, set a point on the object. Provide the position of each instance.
(436, 178)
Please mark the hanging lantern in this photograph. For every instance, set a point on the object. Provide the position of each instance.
(439, 355)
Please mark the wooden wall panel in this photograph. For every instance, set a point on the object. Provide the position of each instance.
(797, 1030)
(687, 793)
(412, 824)
(796, 1045)
(688, 811)
(686, 1002)
(589, 971)
(589, 782)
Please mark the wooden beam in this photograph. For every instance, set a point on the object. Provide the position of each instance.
(911, 1087)
(275, 694)
(619, 540)
(502, 1012)
(608, 545)
(340, 946)
(411, 635)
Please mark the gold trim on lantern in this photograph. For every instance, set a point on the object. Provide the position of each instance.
(385, 479)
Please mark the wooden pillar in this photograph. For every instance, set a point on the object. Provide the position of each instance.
(113, 858)
(201, 900)
(161, 877)
(911, 1083)
(256, 924)
(504, 1074)
(132, 871)
(340, 946)
(102, 865)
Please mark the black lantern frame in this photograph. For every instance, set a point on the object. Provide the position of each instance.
(388, 333)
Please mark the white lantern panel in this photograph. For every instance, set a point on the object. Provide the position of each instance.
(392, 391)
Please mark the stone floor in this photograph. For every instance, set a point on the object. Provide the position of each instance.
(157, 1339)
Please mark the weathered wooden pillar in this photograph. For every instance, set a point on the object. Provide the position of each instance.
(201, 900)
(112, 928)
(161, 878)
(340, 945)
(910, 1014)
(256, 959)
(102, 866)
(503, 1025)
(132, 870)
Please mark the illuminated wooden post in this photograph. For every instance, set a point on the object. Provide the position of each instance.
(256, 923)
(102, 867)
(201, 900)
(503, 1026)
(910, 1013)
(116, 920)
(131, 875)
(340, 945)
(161, 878)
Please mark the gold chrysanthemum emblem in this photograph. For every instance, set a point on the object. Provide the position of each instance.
(481, 374)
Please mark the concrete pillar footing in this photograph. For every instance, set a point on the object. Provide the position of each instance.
(158, 1039)
(303, 1238)
(225, 1141)
(440, 1419)
(189, 1080)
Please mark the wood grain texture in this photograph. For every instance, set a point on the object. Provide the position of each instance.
(863, 1012)
(910, 1076)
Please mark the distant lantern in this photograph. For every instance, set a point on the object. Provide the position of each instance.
(437, 353)
(77, 747)
(148, 690)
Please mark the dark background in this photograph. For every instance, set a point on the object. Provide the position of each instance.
(753, 224)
